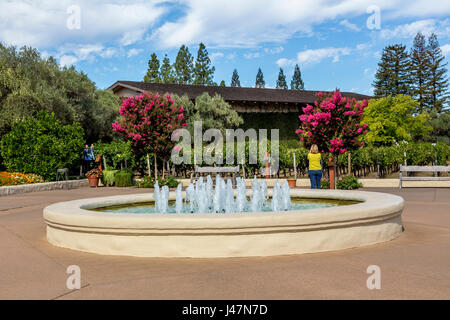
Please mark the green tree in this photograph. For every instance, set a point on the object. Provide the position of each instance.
(440, 122)
(392, 76)
(29, 84)
(203, 71)
(260, 83)
(153, 75)
(167, 72)
(41, 145)
(297, 82)
(214, 112)
(392, 120)
(420, 71)
(437, 83)
(222, 83)
(281, 82)
(184, 66)
(235, 79)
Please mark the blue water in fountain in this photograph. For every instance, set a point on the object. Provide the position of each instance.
(204, 198)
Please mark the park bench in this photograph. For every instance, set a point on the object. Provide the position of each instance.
(234, 171)
(434, 169)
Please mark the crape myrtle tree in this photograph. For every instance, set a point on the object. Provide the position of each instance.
(148, 121)
(333, 123)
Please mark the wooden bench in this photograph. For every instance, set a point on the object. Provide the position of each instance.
(434, 169)
(234, 171)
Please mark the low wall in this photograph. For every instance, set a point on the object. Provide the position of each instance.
(45, 186)
(367, 183)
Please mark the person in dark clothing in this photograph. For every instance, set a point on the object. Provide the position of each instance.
(87, 158)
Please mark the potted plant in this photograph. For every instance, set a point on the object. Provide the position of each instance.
(292, 182)
(94, 176)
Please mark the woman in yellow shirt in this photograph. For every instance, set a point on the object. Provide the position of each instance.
(315, 168)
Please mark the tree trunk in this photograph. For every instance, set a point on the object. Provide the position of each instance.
(156, 168)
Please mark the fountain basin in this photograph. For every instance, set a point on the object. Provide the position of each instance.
(73, 225)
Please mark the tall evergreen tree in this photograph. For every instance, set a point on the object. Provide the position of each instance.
(281, 82)
(235, 82)
(167, 73)
(183, 66)
(153, 74)
(392, 76)
(437, 96)
(203, 71)
(420, 70)
(222, 83)
(297, 82)
(260, 83)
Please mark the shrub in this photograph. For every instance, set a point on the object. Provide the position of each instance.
(41, 145)
(325, 184)
(94, 173)
(123, 178)
(348, 183)
(109, 176)
(149, 182)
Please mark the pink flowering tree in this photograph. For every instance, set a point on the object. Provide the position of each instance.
(148, 121)
(334, 123)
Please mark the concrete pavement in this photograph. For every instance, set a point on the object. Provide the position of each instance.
(414, 266)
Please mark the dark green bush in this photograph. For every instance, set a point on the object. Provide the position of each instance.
(149, 182)
(109, 177)
(124, 178)
(325, 184)
(348, 183)
(42, 145)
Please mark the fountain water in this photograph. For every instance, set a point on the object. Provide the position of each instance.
(204, 198)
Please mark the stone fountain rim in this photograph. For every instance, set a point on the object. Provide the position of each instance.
(75, 215)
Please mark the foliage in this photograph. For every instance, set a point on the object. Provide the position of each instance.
(222, 83)
(235, 79)
(123, 178)
(96, 172)
(348, 183)
(392, 76)
(333, 123)
(391, 120)
(109, 176)
(440, 122)
(29, 84)
(149, 182)
(42, 145)
(15, 178)
(260, 83)
(148, 121)
(281, 82)
(167, 72)
(214, 112)
(153, 75)
(420, 70)
(325, 184)
(116, 153)
(437, 95)
(297, 82)
(183, 66)
(203, 71)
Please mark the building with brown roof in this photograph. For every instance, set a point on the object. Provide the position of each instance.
(260, 107)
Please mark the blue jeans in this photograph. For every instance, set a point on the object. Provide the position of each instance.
(314, 177)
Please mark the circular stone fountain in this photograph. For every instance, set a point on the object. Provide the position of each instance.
(76, 225)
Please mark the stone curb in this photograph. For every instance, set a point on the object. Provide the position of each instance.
(45, 186)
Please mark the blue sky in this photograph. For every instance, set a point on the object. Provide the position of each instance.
(337, 44)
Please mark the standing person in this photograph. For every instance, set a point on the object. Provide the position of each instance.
(91, 153)
(87, 158)
(314, 168)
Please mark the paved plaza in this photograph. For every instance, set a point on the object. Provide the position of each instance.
(414, 266)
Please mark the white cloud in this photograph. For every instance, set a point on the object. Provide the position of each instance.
(215, 55)
(349, 25)
(274, 50)
(316, 55)
(426, 27)
(446, 50)
(44, 23)
(71, 54)
(252, 55)
(67, 60)
(237, 23)
(133, 52)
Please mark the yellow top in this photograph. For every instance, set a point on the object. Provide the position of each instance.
(314, 161)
